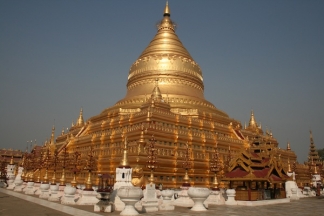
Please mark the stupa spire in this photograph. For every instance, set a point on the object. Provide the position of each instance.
(252, 122)
(166, 9)
(53, 135)
(80, 120)
(288, 146)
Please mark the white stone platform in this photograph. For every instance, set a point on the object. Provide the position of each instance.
(263, 202)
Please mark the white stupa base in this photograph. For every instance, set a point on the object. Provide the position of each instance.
(166, 205)
(54, 196)
(30, 188)
(87, 198)
(150, 205)
(198, 206)
(18, 188)
(102, 206)
(11, 184)
(215, 198)
(129, 210)
(183, 200)
(138, 206)
(231, 193)
(68, 200)
(24, 186)
(30, 191)
(119, 205)
(45, 194)
(37, 189)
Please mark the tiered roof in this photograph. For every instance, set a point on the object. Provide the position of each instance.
(248, 165)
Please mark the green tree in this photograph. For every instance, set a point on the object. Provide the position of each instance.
(321, 153)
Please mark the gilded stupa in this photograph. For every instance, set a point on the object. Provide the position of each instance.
(165, 98)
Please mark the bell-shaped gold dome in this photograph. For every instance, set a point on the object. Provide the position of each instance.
(179, 77)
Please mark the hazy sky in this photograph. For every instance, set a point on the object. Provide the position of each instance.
(58, 56)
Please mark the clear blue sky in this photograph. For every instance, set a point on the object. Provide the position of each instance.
(59, 56)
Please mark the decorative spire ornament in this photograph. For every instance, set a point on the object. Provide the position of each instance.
(75, 167)
(151, 156)
(166, 9)
(90, 166)
(288, 146)
(80, 121)
(124, 162)
(64, 161)
(186, 165)
(215, 167)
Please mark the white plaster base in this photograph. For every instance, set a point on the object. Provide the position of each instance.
(166, 205)
(119, 205)
(129, 210)
(54, 196)
(11, 184)
(102, 206)
(215, 198)
(198, 206)
(45, 194)
(87, 198)
(18, 188)
(183, 199)
(150, 205)
(24, 186)
(68, 199)
(37, 189)
(30, 188)
(138, 206)
(263, 202)
(230, 197)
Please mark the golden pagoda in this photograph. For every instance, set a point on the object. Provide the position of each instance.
(165, 98)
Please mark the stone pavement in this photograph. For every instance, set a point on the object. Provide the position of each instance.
(26, 205)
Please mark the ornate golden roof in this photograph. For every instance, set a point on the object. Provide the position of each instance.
(179, 76)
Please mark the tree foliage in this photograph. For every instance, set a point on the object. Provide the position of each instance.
(321, 153)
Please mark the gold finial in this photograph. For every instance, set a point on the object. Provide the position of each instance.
(288, 146)
(166, 9)
(80, 121)
(252, 122)
(124, 161)
(52, 135)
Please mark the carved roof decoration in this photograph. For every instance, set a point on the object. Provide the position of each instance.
(248, 165)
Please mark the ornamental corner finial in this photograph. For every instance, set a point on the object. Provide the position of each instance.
(166, 9)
